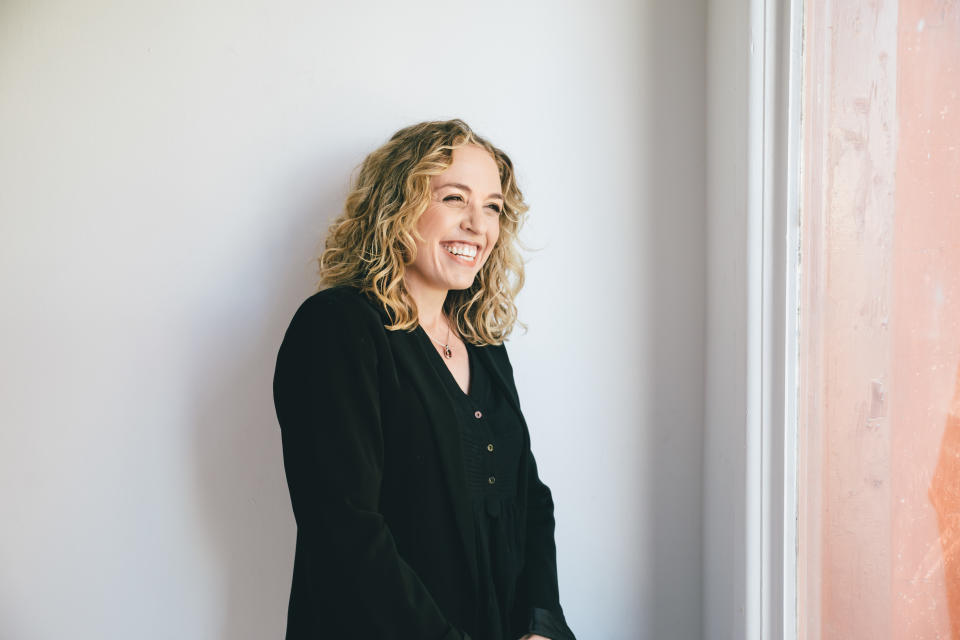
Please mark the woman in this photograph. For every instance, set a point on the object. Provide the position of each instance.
(420, 514)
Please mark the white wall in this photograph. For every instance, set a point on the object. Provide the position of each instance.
(725, 437)
(166, 172)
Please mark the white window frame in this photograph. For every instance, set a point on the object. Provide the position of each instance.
(774, 284)
(750, 445)
(776, 84)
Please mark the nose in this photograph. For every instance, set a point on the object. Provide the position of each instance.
(473, 218)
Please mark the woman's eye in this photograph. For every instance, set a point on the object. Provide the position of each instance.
(458, 199)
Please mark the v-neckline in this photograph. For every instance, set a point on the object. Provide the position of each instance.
(450, 378)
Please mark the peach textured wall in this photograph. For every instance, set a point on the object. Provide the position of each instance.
(880, 322)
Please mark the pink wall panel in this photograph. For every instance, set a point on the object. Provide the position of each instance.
(926, 322)
(880, 322)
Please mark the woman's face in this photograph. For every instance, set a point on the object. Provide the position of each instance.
(461, 224)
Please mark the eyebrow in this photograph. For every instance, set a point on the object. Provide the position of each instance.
(459, 185)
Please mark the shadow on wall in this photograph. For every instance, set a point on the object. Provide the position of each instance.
(238, 461)
(675, 306)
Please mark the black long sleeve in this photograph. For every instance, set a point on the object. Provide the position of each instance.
(538, 607)
(327, 402)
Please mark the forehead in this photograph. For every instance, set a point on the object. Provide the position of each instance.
(472, 166)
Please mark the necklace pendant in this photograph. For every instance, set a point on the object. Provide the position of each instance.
(447, 352)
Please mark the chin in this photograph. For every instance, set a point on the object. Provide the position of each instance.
(461, 284)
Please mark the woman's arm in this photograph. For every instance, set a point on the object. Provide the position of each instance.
(539, 576)
(326, 392)
(538, 607)
(538, 580)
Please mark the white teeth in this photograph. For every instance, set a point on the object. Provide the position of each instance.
(465, 250)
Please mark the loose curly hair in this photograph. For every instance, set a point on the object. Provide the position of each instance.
(371, 243)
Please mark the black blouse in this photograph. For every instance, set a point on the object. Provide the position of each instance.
(491, 436)
(386, 542)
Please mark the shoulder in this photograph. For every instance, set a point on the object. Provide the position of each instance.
(499, 360)
(341, 305)
(499, 351)
(337, 313)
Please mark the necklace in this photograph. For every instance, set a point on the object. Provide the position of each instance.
(447, 351)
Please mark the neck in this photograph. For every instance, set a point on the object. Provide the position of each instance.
(429, 302)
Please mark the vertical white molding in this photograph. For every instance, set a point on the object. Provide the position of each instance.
(754, 74)
(773, 226)
(790, 260)
(775, 74)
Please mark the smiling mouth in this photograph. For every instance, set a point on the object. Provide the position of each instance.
(462, 252)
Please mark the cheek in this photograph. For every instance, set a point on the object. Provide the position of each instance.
(494, 232)
(432, 224)
(427, 229)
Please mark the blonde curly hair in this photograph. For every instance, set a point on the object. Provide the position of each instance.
(370, 244)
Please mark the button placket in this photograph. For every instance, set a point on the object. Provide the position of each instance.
(491, 478)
